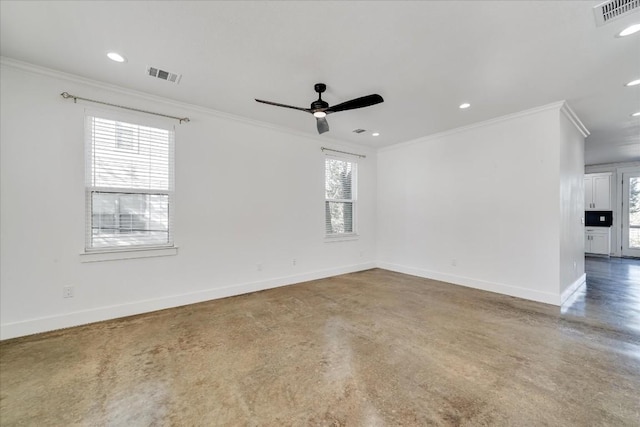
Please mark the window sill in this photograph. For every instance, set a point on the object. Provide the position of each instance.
(341, 238)
(113, 255)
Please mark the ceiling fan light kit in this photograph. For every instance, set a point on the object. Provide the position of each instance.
(320, 108)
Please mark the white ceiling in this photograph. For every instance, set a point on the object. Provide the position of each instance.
(424, 58)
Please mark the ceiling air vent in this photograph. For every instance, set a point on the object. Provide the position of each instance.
(359, 130)
(164, 75)
(613, 9)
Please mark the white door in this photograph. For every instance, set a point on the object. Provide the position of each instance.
(631, 214)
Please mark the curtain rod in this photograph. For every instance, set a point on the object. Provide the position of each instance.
(343, 152)
(66, 95)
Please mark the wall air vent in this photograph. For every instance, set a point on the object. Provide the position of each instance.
(613, 9)
(359, 130)
(165, 75)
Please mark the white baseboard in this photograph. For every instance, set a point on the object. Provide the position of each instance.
(83, 317)
(573, 288)
(501, 288)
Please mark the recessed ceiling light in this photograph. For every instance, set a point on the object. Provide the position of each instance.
(636, 114)
(465, 105)
(629, 30)
(375, 134)
(114, 56)
(320, 114)
(633, 83)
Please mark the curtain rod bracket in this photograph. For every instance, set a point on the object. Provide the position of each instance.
(67, 95)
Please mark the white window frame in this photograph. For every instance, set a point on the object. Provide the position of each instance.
(108, 253)
(353, 235)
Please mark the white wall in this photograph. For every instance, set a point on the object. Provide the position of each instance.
(245, 194)
(571, 151)
(480, 206)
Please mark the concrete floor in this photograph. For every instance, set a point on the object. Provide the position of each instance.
(365, 349)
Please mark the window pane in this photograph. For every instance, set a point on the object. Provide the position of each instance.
(338, 179)
(125, 219)
(339, 217)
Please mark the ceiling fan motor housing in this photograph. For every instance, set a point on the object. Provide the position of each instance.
(319, 105)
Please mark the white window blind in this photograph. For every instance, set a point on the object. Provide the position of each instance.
(340, 196)
(129, 184)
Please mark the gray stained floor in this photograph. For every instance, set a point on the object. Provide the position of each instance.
(365, 349)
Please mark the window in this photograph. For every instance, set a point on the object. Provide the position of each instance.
(340, 196)
(129, 185)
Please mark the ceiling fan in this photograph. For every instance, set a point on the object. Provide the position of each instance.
(320, 108)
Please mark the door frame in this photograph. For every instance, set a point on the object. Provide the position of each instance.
(626, 251)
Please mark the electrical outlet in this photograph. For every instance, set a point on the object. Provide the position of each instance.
(259, 267)
(67, 292)
(294, 262)
(454, 262)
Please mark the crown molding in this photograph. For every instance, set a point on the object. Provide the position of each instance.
(553, 106)
(608, 167)
(37, 69)
(573, 118)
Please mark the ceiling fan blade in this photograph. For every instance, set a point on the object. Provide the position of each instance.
(364, 101)
(323, 125)
(284, 105)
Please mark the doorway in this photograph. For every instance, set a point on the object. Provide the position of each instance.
(631, 214)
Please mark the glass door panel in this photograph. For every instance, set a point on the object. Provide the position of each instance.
(631, 214)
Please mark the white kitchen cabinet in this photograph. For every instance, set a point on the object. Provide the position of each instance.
(597, 192)
(597, 240)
